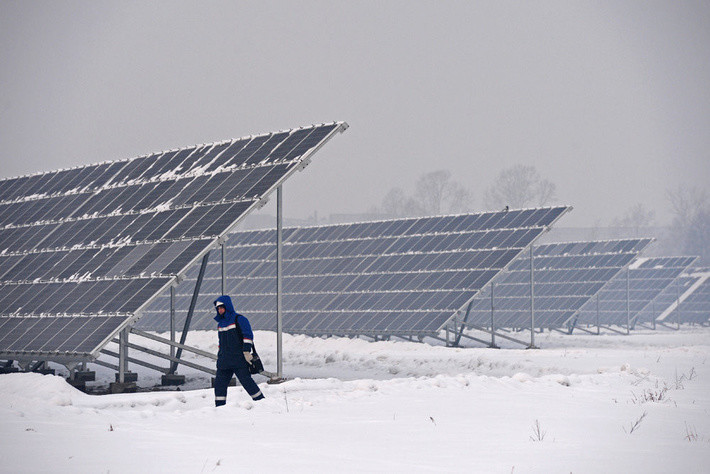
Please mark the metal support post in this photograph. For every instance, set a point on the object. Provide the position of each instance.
(493, 326)
(279, 275)
(172, 320)
(193, 302)
(628, 302)
(122, 355)
(463, 324)
(599, 327)
(224, 290)
(653, 314)
(532, 300)
(677, 307)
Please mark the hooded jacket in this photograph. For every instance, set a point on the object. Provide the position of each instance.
(235, 336)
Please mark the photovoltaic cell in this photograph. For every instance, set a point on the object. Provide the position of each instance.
(403, 276)
(632, 291)
(82, 250)
(566, 275)
(684, 301)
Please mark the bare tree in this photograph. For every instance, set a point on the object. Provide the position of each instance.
(690, 229)
(397, 203)
(636, 219)
(519, 186)
(434, 193)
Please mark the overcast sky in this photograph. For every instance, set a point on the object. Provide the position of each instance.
(610, 100)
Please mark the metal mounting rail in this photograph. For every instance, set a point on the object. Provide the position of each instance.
(194, 350)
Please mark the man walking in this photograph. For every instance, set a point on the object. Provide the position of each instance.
(234, 356)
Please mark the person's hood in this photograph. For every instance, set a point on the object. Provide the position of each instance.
(227, 304)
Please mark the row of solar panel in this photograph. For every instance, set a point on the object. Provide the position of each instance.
(394, 245)
(329, 305)
(554, 264)
(520, 304)
(323, 265)
(566, 275)
(270, 148)
(67, 334)
(643, 279)
(513, 319)
(354, 322)
(660, 263)
(159, 195)
(166, 258)
(196, 222)
(571, 275)
(405, 227)
(585, 288)
(419, 226)
(96, 297)
(591, 248)
(412, 263)
(640, 285)
(63, 234)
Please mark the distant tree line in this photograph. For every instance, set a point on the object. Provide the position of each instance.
(520, 186)
(438, 193)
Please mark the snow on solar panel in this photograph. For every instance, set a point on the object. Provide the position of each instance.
(566, 275)
(647, 277)
(686, 300)
(394, 277)
(83, 250)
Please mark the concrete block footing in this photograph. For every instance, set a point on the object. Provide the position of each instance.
(126, 387)
(172, 379)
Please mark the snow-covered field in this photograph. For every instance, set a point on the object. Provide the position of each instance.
(582, 403)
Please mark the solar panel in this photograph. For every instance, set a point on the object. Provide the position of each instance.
(82, 251)
(393, 277)
(686, 300)
(663, 276)
(566, 275)
(647, 277)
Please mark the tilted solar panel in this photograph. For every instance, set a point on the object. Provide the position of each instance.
(566, 275)
(83, 250)
(647, 277)
(394, 277)
(686, 300)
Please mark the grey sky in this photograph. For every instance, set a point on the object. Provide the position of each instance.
(609, 100)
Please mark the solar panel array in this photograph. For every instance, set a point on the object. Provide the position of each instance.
(646, 279)
(663, 275)
(395, 277)
(565, 275)
(83, 249)
(695, 306)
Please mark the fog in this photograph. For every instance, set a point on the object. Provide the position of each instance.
(608, 100)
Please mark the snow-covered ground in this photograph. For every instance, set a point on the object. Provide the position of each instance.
(582, 404)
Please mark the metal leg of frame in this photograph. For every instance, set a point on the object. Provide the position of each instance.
(279, 277)
(172, 320)
(193, 302)
(628, 302)
(532, 300)
(224, 279)
(463, 325)
(493, 324)
(122, 355)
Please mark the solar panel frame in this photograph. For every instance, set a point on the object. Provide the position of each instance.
(558, 268)
(357, 258)
(129, 297)
(613, 309)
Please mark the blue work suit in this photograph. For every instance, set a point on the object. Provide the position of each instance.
(235, 338)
